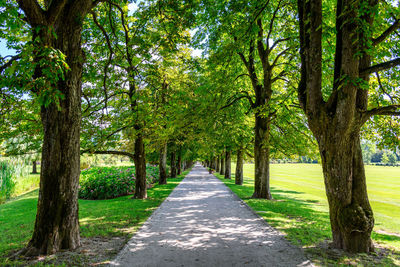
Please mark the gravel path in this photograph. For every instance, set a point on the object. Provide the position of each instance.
(202, 223)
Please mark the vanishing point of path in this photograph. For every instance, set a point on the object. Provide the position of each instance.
(202, 223)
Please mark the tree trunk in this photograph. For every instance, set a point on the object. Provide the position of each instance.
(140, 168)
(228, 164)
(217, 168)
(261, 158)
(173, 164)
(222, 170)
(239, 167)
(163, 164)
(57, 225)
(179, 163)
(350, 212)
(34, 167)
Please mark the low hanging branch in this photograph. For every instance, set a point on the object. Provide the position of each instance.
(113, 152)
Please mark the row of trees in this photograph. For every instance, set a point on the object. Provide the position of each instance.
(279, 79)
(338, 68)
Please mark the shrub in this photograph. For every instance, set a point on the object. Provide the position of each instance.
(7, 184)
(111, 182)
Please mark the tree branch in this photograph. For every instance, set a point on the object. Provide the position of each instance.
(386, 33)
(110, 152)
(393, 110)
(34, 13)
(9, 63)
(382, 66)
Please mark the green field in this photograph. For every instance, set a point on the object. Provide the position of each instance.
(300, 211)
(383, 183)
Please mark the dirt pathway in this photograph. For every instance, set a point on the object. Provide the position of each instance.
(202, 223)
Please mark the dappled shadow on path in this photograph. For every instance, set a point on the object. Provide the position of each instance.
(202, 223)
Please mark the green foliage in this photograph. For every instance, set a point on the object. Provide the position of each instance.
(111, 182)
(7, 183)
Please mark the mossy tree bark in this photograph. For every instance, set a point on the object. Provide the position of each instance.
(336, 121)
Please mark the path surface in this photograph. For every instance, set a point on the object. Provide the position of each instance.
(202, 223)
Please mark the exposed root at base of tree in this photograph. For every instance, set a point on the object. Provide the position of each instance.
(93, 251)
(325, 254)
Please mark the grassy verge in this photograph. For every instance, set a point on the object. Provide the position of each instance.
(306, 224)
(107, 224)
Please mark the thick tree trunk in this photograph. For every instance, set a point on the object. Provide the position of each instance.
(222, 170)
(261, 158)
(217, 168)
(228, 164)
(173, 164)
(179, 163)
(350, 212)
(34, 167)
(140, 168)
(57, 225)
(239, 167)
(163, 164)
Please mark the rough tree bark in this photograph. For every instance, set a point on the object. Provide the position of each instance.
(336, 123)
(163, 164)
(140, 167)
(173, 164)
(227, 164)
(222, 170)
(57, 225)
(239, 167)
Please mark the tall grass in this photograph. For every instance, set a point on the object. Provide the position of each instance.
(7, 183)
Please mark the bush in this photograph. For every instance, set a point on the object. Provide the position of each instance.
(7, 184)
(111, 182)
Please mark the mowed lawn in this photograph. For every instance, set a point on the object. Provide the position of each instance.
(118, 217)
(305, 182)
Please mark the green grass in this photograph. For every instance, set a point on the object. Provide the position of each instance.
(98, 218)
(300, 209)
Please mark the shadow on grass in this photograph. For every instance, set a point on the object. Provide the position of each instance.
(308, 227)
(119, 217)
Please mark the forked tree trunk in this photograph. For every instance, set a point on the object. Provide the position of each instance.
(173, 164)
(261, 158)
(228, 164)
(222, 170)
(57, 225)
(34, 167)
(163, 164)
(140, 168)
(239, 167)
(217, 168)
(336, 123)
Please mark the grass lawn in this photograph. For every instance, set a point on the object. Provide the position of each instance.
(300, 209)
(119, 217)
